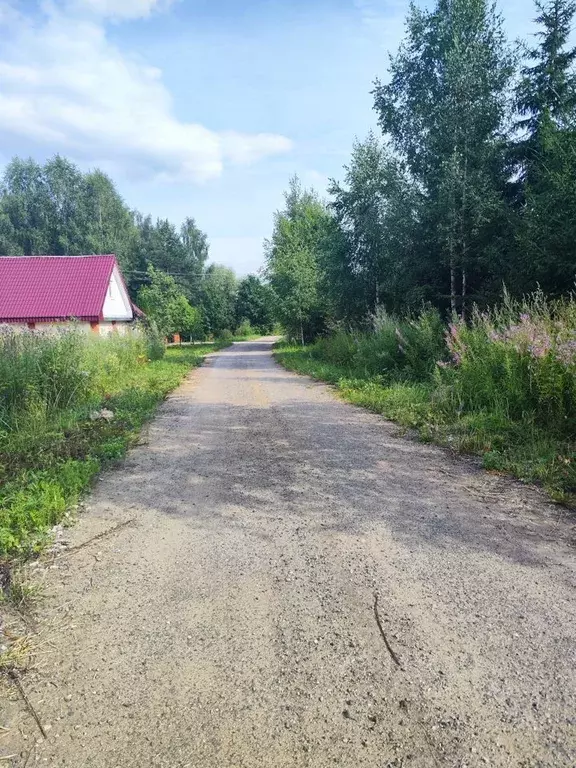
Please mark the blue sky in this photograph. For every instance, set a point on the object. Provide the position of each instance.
(200, 107)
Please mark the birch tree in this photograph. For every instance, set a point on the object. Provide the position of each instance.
(445, 110)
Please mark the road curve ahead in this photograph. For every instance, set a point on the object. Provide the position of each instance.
(233, 623)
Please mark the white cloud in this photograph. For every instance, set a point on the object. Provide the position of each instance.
(243, 149)
(121, 9)
(64, 85)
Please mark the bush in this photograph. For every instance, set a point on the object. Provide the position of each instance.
(155, 344)
(340, 349)
(244, 329)
(396, 350)
(225, 336)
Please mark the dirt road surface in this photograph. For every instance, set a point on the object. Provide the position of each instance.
(232, 624)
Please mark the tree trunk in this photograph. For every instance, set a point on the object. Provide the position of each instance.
(463, 239)
(453, 306)
(301, 332)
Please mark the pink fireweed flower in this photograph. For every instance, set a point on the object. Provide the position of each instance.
(454, 343)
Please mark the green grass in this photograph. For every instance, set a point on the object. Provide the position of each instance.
(521, 448)
(50, 456)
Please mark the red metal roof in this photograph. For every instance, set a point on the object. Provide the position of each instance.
(52, 288)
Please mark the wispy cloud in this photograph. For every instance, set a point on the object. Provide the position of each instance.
(385, 18)
(63, 84)
(120, 9)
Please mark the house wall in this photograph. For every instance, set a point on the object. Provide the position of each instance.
(116, 304)
(106, 328)
(103, 328)
(49, 326)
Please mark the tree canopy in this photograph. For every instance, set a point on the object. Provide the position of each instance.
(471, 187)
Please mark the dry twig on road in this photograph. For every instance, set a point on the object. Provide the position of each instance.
(395, 658)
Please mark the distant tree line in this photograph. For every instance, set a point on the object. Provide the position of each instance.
(57, 209)
(471, 188)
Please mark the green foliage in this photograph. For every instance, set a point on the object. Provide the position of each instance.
(398, 350)
(293, 256)
(374, 210)
(155, 343)
(225, 337)
(42, 369)
(458, 200)
(181, 254)
(167, 308)
(443, 109)
(244, 329)
(183, 318)
(155, 298)
(50, 447)
(56, 209)
(255, 305)
(547, 89)
(545, 156)
(219, 299)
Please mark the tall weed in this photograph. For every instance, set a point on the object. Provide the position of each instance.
(518, 360)
(52, 442)
(502, 384)
(396, 350)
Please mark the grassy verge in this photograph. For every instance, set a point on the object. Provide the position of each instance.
(518, 447)
(49, 457)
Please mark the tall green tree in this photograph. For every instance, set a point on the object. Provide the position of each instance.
(56, 209)
(219, 290)
(156, 297)
(166, 306)
(110, 223)
(547, 90)
(196, 251)
(293, 256)
(375, 208)
(546, 153)
(183, 318)
(180, 253)
(25, 205)
(255, 303)
(445, 110)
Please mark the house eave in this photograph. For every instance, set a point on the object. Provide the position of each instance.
(53, 319)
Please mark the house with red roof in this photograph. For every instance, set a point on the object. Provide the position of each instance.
(46, 291)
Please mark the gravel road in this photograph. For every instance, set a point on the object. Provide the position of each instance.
(232, 624)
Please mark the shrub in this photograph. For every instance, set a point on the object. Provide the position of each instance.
(396, 350)
(225, 336)
(155, 344)
(340, 349)
(244, 329)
